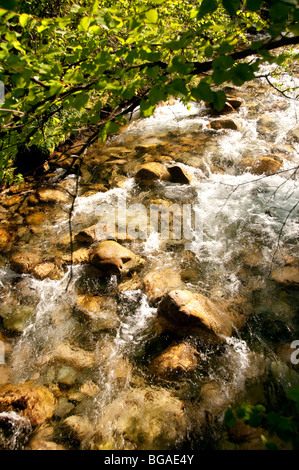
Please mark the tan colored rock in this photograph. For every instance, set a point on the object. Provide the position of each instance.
(218, 124)
(44, 270)
(175, 362)
(36, 218)
(90, 305)
(6, 239)
(25, 262)
(152, 171)
(36, 403)
(263, 165)
(77, 428)
(159, 282)
(113, 258)
(42, 439)
(288, 275)
(52, 196)
(182, 311)
(64, 353)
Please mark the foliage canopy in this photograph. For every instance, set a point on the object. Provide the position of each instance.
(87, 64)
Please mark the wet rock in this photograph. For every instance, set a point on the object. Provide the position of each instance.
(52, 196)
(293, 134)
(80, 256)
(288, 275)
(36, 218)
(133, 283)
(6, 239)
(97, 312)
(113, 258)
(14, 431)
(143, 419)
(34, 402)
(25, 262)
(5, 374)
(218, 124)
(66, 376)
(179, 174)
(268, 126)
(158, 282)
(43, 439)
(182, 311)
(74, 357)
(264, 165)
(17, 317)
(44, 270)
(175, 362)
(76, 429)
(152, 171)
(64, 408)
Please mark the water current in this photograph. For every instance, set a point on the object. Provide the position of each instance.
(243, 250)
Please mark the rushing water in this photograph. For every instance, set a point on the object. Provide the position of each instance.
(246, 227)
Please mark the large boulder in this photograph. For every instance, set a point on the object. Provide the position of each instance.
(36, 403)
(113, 258)
(183, 312)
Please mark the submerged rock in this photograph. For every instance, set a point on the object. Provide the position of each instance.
(142, 419)
(263, 165)
(34, 402)
(114, 258)
(182, 311)
(175, 362)
(64, 353)
(157, 283)
(288, 275)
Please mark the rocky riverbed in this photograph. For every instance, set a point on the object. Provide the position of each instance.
(177, 295)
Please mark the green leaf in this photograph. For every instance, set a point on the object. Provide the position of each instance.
(84, 23)
(202, 92)
(81, 100)
(231, 6)
(146, 108)
(209, 51)
(229, 418)
(152, 16)
(207, 7)
(219, 100)
(23, 19)
(253, 5)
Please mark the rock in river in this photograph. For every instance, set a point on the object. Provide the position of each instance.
(114, 258)
(182, 312)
